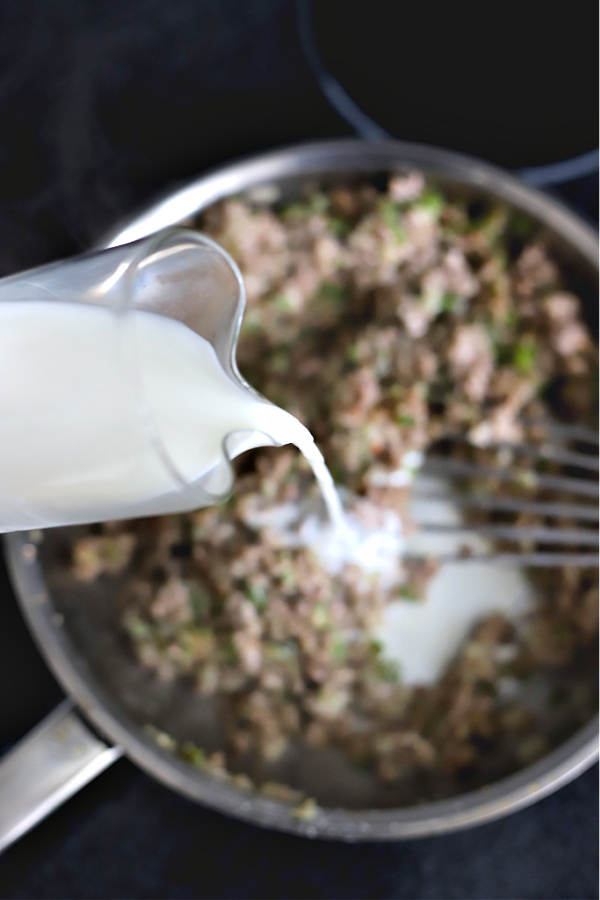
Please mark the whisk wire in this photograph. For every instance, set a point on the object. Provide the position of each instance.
(550, 518)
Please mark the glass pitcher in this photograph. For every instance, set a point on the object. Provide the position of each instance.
(103, 407)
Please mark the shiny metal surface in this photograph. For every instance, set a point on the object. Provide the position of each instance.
(293, 166)
(48, 766)
(72, 655)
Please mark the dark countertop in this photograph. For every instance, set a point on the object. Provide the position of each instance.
(102, 106)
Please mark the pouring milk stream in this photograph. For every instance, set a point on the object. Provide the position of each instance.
(109, 410)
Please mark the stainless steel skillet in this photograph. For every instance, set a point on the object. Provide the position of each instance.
(76, 629)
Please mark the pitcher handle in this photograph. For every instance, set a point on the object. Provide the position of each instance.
(50, 764)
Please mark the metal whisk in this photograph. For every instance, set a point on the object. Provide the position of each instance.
(535, 505)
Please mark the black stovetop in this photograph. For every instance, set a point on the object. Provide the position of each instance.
(104, 104)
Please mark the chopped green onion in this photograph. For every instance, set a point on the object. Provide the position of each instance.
(392, 219)
(194, 755)
(138, 628)
(389, 671)
(340, 228)
(432, 202)
(258, 595)
(338, 649)
(328, 291)
(524, 356)
(282, 303)
(228, 652)
(452, 302)
(199, 600)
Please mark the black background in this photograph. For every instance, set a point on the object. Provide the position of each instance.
(102, 105)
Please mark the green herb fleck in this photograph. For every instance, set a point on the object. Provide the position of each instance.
(194, 755)
(258, 595)
(306, 810)
(521, 225)
(139, 629)
(338, 649)
(389, 671)
(493, 225)
(340, 228)
(334, 292)
(432, 202)
(161, 738)
(281, 303)
(279, 361)
(320, 616)
(511, 319)
(288, 578)
(200, 601)
(524, 356)
(282, 652)
(409, 592)
(227, 651)
(251, 323)
(392, 219)
(317, 204)
(375, 646)
(527, 479)
(352, 355)
(452, 303)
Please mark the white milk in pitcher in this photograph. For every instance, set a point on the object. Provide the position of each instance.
(102, 418)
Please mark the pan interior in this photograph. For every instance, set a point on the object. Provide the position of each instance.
(89, 618)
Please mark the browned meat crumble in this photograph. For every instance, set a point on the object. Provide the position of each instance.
(384, 321)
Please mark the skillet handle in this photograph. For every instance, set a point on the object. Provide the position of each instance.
(45, 768)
